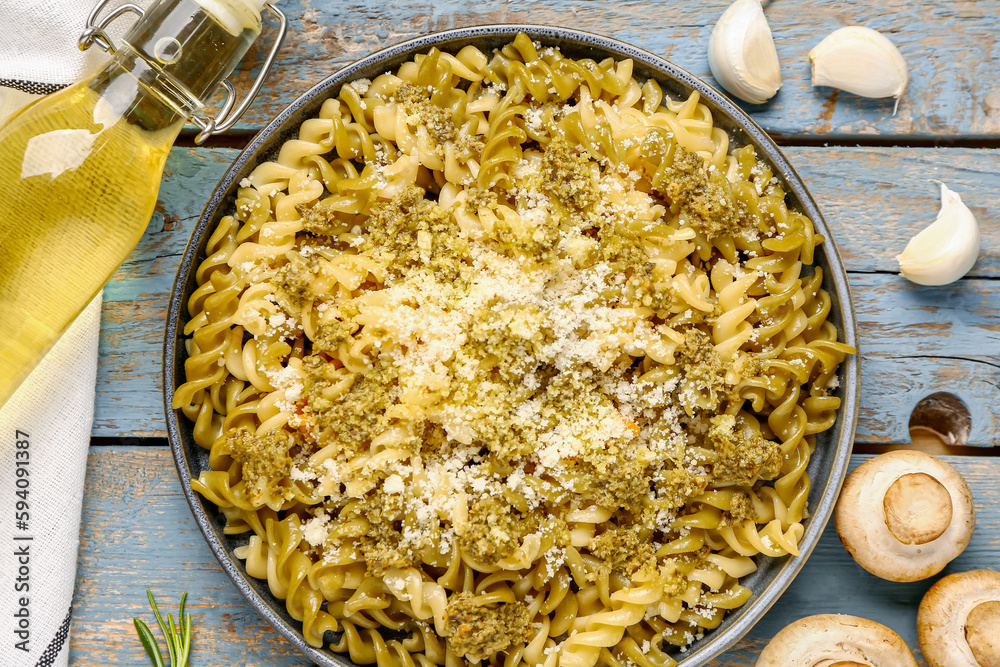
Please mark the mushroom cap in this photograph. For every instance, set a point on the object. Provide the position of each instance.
(835, 639)
(904, 515)
(958, 620)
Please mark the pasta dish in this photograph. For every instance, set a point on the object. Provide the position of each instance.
(511, 358)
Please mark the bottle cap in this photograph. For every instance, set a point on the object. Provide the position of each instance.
(234, 15)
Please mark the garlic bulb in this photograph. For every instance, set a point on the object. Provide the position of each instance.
(741, 53)
(947, 249)
(861, 61)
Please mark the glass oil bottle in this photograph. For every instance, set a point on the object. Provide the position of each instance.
(80, 169)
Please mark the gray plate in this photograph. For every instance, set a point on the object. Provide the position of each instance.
(827, 467)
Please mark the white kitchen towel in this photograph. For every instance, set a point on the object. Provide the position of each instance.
(45, 426)
(44, 438)
(38, 52)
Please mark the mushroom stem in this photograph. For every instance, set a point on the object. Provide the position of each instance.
(917, 508)
(982, 631)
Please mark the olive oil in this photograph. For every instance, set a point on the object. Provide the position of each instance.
(80, 169)
(78, 184)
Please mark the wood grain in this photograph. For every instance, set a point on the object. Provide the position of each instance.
(916, 340)
(950, 47)
(138, 531)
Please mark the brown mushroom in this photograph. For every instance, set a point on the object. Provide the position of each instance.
(836, 639)
(904, 515)
(958, 624)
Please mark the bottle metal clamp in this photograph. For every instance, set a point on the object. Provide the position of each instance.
(95, 33)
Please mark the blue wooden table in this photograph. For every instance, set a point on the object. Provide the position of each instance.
(873, 173)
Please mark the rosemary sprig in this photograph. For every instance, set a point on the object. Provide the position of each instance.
(177, 635)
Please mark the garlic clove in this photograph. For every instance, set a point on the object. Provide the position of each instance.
(861, 61)
(741, 53)
(946, 250)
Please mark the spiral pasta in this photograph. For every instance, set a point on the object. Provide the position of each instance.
(512, 359)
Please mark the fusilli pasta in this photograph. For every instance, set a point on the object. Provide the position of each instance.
(510, 358)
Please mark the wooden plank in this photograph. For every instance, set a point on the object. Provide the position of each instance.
(950, 48)
(893, 381)
(874, 200)
(916, 341)
(137, 531)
